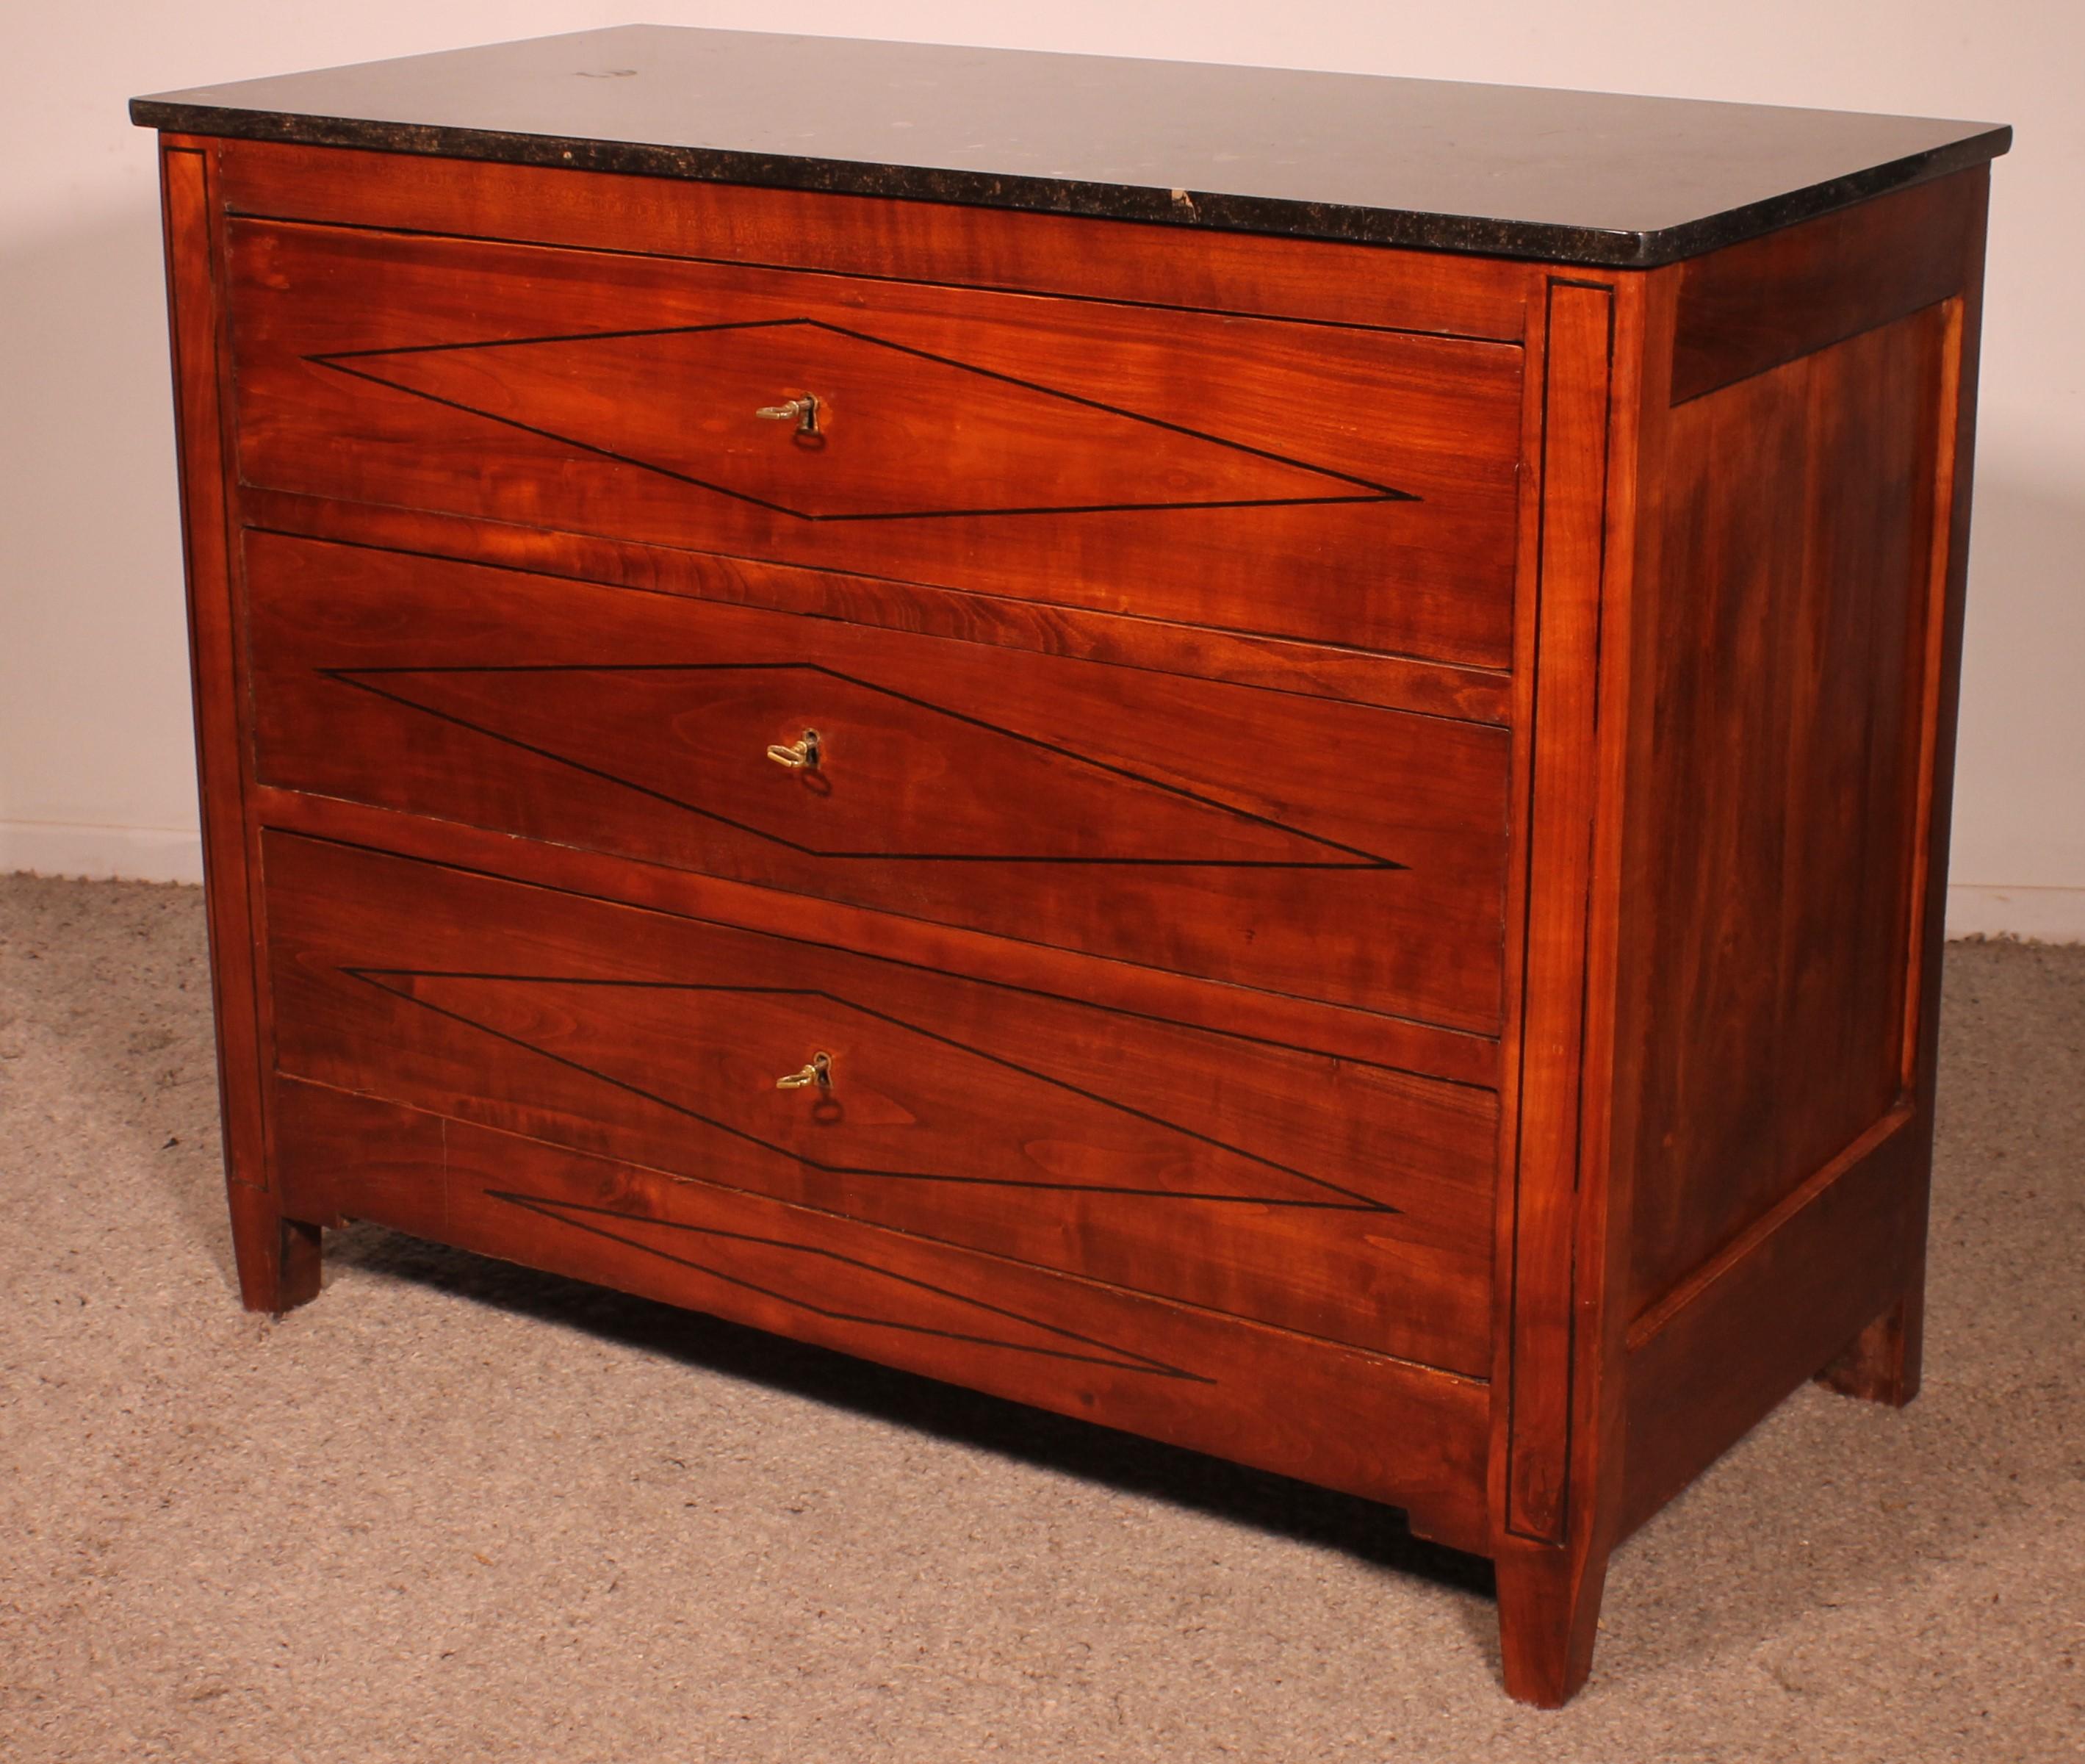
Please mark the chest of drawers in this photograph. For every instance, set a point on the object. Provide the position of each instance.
(1291, 798)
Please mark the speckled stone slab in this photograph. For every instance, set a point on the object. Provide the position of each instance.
(1574, 177)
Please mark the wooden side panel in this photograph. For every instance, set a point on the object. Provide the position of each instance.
(1322, 850)
(1791, 293)
(1790, 714)
(1760, 1319)
(1109, 260)
(1795, 1118)
(1543, 1317)
(278, 1263)
(1328, 1196)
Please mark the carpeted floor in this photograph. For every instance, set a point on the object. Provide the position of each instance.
(455, 1511)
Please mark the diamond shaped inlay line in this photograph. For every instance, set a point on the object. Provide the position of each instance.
(909, 1105)
(681, 401)
(849, 1289)
(905, 781)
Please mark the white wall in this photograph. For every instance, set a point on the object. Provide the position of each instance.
(95, 757)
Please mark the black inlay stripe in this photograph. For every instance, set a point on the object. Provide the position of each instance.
(553, 569)
(1351, 1202)
(1378, 492)
(685, 916)
(1118, 1358)
(1358, 859)
(303, 223)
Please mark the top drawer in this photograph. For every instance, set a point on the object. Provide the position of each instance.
(1324, 481)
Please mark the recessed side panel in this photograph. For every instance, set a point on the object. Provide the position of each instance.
(1797, 585)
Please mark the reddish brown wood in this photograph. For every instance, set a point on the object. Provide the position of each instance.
(1260, 1396)
(1789, 710)
(1395, 1042)
(1707, 1364)
(1316, 670)
(1605, 382)
(1203, 829)
(1892, 1352)
(1328, 1196)
(885, 240)
(1781, 1205)
(1621, 1091)
(1549, 1616)
(1578, 355)
(1795, 292)
(1332, 483)
(278, 1261)
(1882, 1363)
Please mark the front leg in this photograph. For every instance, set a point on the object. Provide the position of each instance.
(1549, 1615)
(278, 1259)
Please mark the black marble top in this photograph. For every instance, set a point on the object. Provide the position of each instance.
(1578, 177)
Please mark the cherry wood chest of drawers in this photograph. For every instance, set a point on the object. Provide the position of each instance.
(1222, 791)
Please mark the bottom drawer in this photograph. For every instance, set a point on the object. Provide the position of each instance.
(1328, 1198)
(1380, 1428)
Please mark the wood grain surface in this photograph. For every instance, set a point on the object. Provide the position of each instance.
(1323, 850)
(1407, 1435)
(1327, 1196)
(1336, 483)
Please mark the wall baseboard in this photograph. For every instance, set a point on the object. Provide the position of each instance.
(175, 855)
(157, 854)
(2038, 915)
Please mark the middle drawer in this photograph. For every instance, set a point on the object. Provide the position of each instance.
(1322, 1194)
(1328, 851)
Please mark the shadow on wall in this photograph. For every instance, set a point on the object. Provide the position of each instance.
(94, 717)
(2019, 809)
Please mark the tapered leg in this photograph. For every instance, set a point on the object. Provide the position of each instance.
(278, 1258)
(1882, 1362)
(1549, 1613)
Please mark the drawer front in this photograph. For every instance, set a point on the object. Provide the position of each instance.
(1381, 1428)
(1333, 483)
(1328, 1197)
(1323, 850)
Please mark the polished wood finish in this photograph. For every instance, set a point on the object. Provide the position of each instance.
(1543, 1316)
(1428, 985)
(1790, 706)
(1334, 483)
(1283, 665)
(1795, 1000)
(871, 236)
(1795, 1291)
(278, 1258)
(1321, 850)
(1331, 1198)
(1792, 293)
(1210, 1382)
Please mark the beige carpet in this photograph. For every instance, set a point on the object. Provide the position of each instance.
(458, 1511)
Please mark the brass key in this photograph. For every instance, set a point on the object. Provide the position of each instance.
(819, 1073)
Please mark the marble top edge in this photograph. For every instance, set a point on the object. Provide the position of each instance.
(1596, 179)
